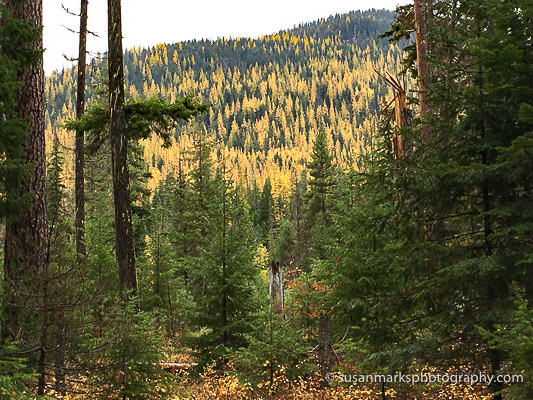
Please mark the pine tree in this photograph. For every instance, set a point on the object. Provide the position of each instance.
(421, 30)
(165, 282)
(80, 136)
(298, 206)
(123, 361)
(140, 194)
(440, 255)
(224, 279)
(63, 277)
(275, 349)
(14, 39)
(321, 183)
(119, 153)
(26, 246)
(16, 51)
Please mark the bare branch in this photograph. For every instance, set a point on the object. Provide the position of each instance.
(70, 30)
(71, 59)
(93, 34)
(68, 11)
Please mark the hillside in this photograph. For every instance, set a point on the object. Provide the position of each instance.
(269, 96)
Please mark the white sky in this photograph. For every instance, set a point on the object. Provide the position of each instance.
(149, 22)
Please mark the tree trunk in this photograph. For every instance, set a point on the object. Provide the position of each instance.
(79, 222)
(26, 241)
(325, 349)
(275, 277)
(421, 52)
(43, 348)
(119, 154)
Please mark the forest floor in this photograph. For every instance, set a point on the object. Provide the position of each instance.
(215, 384)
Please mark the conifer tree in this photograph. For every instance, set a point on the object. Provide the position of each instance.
(80, 136)
(119, 153)
(321, 183)
(440, 256)
(224, 279)
(322, 175)
(16, 52)
(62, 276)
(14, 40)
(26, 241)
(298, 206)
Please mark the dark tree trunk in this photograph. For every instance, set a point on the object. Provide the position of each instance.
(421, 52)
(119, 154)
(79, 222)
(26, 242)
(325, 349)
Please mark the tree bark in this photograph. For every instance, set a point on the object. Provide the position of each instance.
(26, 241)
(421, 52)
(325, 349)
(275, 278)
(79, 222)
(119, 154)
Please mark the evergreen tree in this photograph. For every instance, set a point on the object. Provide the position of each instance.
(283, 244)
(298, 206)
(434, 235)
(64, 270)
(140, 195)
(165, 282)
(79, 185)
(15, 52)
(321, 183)
(123, 361)
(26, 239)
(224, 278)
(275, 349)
(119, 153)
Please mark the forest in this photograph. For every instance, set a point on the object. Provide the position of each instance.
(341, 210)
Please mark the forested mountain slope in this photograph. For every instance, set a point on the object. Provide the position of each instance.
(268, 96)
